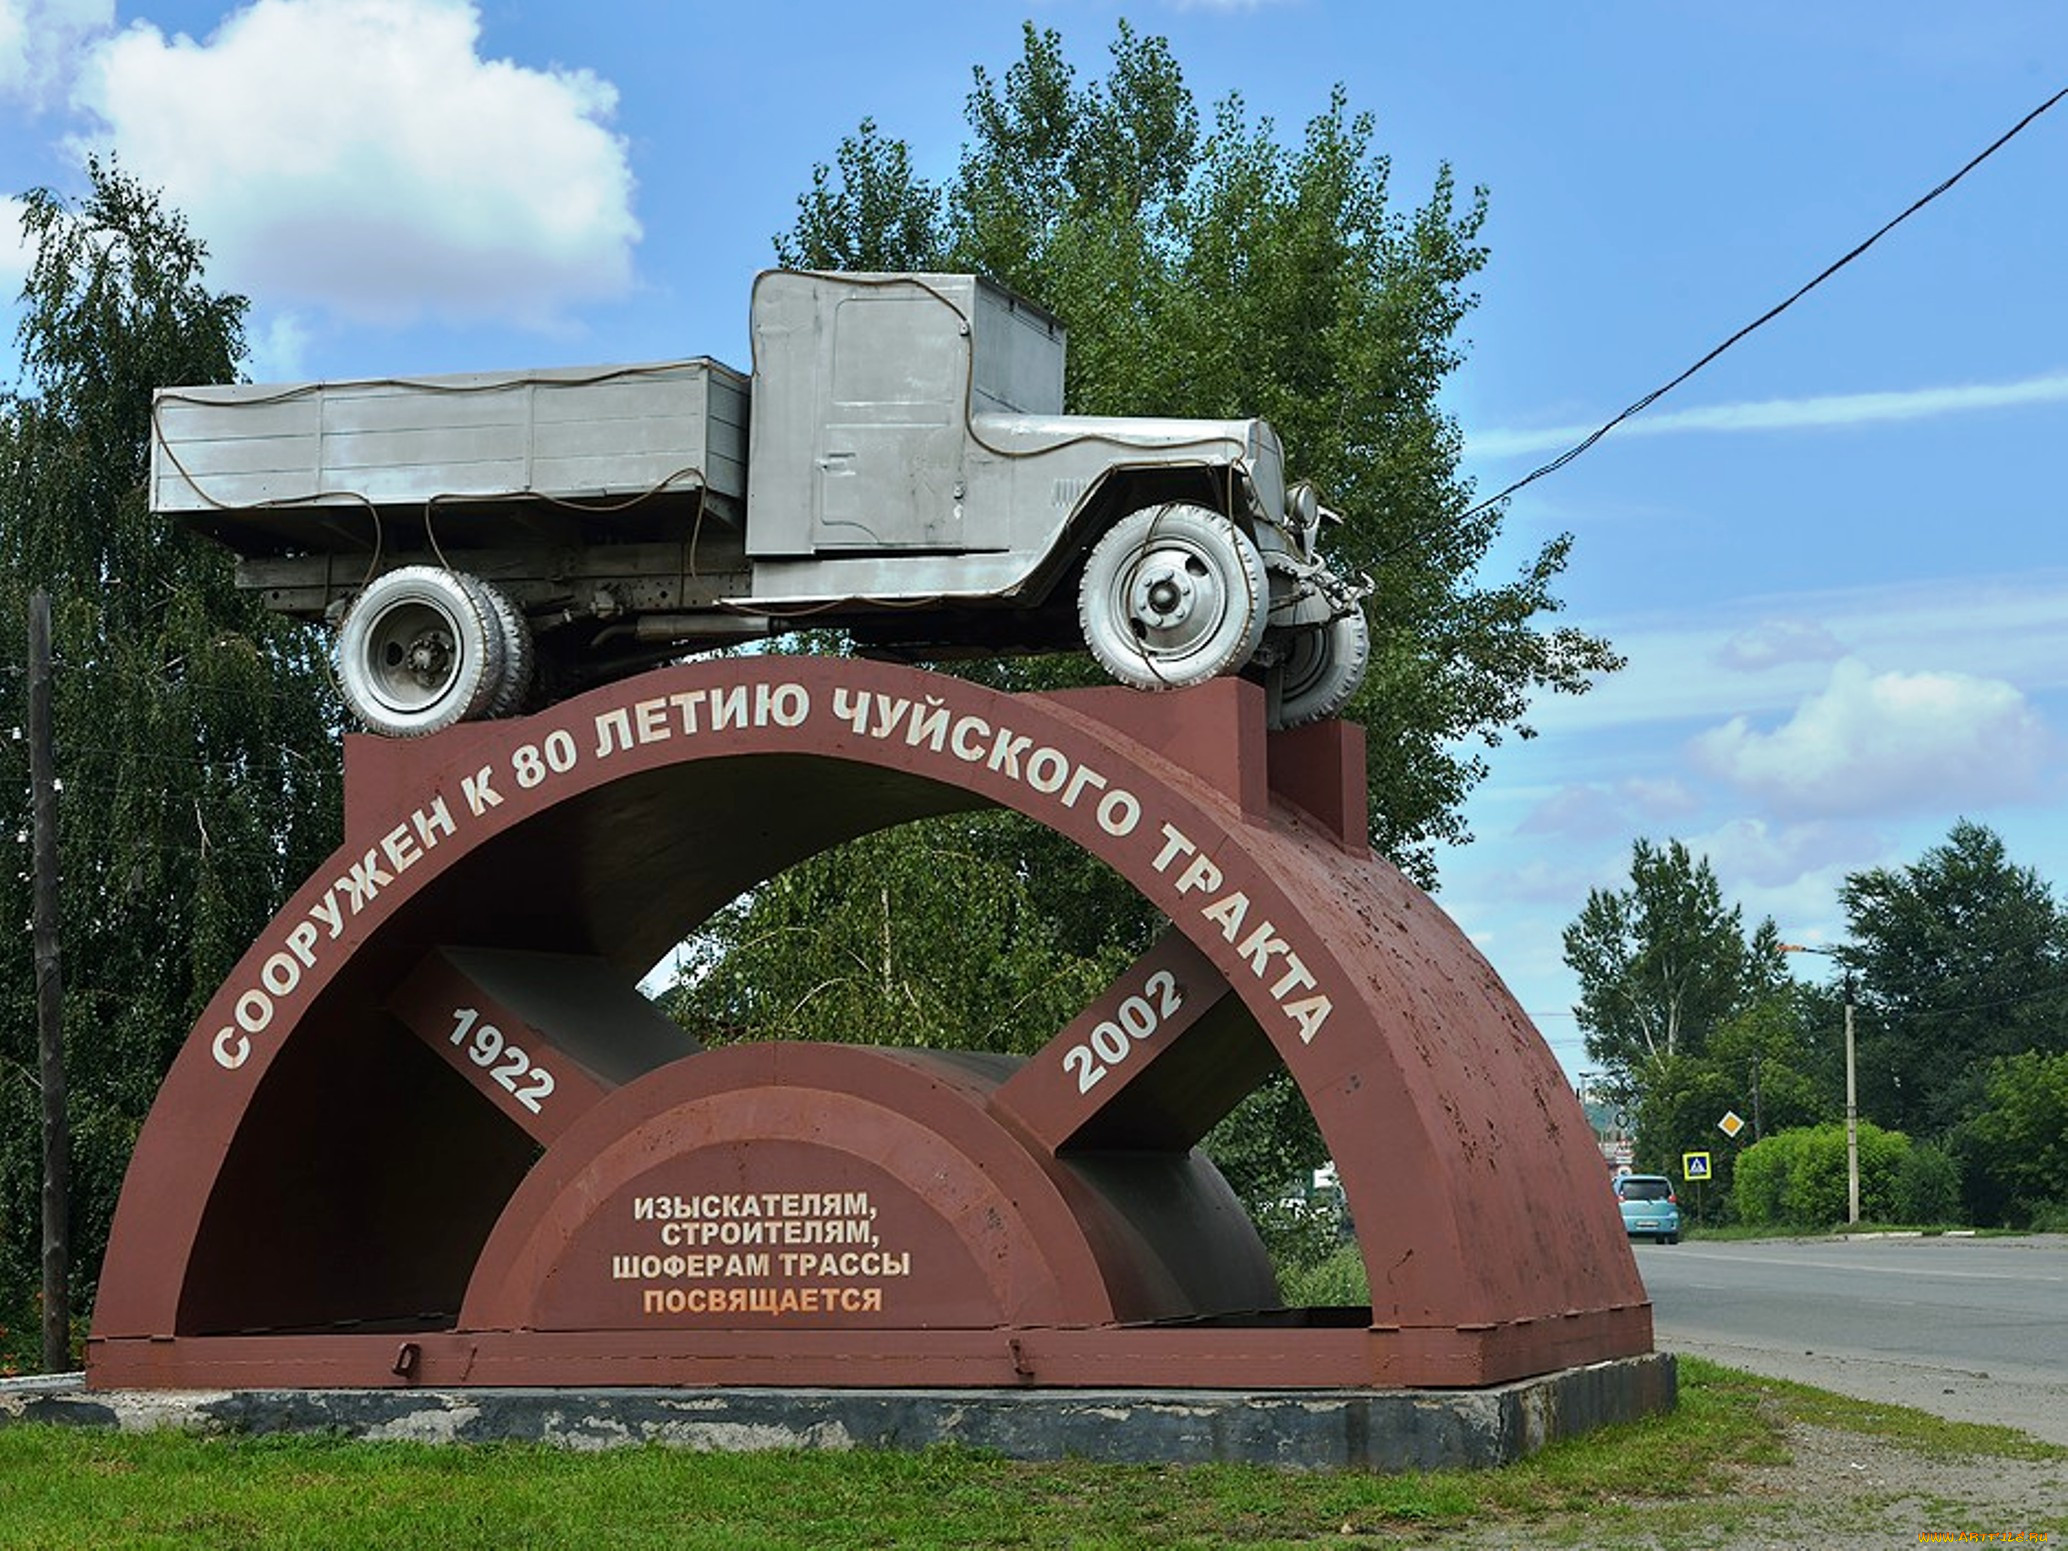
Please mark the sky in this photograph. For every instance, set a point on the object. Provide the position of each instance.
(1832, 558)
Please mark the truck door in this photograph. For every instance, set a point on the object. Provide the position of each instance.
(872, 380)
(890, 452)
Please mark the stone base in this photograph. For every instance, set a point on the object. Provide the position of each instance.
(1385, 1430)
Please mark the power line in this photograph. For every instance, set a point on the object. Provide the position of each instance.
(1770, 314)
(1896, 1010)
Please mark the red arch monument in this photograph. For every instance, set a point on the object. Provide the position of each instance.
(429, 1132)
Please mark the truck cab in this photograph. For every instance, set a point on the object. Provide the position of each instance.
(898, 466)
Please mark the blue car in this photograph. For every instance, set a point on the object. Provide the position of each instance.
(1650, 1209)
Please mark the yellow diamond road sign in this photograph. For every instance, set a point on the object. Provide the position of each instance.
(1730, 1125)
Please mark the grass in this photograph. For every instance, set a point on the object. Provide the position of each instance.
(1675, 1475)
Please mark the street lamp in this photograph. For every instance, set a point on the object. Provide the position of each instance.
(1852, 1093)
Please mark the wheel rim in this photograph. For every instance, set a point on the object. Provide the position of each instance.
(1171, 596)
(1307, 659)
(1321, 670)
(1174, 603)
(414, 654)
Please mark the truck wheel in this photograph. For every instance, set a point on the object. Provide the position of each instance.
(423, 648)
(1324, 665)
(518, 658)
(1171, 596)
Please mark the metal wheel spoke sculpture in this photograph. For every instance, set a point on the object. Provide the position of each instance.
(429, 1132)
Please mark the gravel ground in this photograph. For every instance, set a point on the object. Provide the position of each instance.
(1843, 1486)
(1840, 1489)
(2037, 1405)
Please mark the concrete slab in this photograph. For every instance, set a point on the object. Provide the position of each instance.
(1384, 1430)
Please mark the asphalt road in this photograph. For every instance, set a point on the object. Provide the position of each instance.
(1973, 1329)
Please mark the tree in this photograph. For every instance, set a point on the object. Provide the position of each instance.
(918, 938)
(872, 213)
(1662, 964)
(1205, 270)
(1219, 272)
(1682, 1101)
(1960, 958)
(195, 738)
(1770, 1053)
(2019, 1136)
(1757, 1063)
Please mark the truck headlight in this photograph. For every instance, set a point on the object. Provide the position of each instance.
(1302, 507)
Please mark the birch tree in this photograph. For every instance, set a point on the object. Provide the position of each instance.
(1662, 964)
(195, 734)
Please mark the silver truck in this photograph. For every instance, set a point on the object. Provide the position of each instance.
(898, 468)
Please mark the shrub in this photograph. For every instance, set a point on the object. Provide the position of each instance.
(1300, 1232)
(1798, 1177)
(1927, 1186)
(1762, 1178)
(2050, 1217)
(1337, 1281)
(2018, 1141)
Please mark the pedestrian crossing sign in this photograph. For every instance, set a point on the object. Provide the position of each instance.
(1694, 1165)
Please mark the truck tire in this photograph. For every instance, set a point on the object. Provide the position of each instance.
(423, 648)
(1172, 596)
(519, 659)
(1323, 667)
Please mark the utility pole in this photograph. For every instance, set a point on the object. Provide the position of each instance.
(50, 1002)
(1852, 1090)
(1852, 1113)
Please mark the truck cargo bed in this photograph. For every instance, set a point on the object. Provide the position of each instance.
(591, 454)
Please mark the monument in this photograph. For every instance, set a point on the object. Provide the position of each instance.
(430, 1136)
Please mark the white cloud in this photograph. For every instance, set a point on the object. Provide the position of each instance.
(1826, 412)
(1682, 668)
(1775, 642)
(1752, 856)
(360, 157)
(40, 41)
(278, 347)
(15, 252)
(1888, 742)
(1599, 808)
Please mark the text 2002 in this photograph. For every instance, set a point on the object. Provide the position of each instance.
(1113, 1039)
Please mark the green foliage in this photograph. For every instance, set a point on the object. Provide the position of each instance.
(1678, 1115)
(1205, 266)
(1927, 1186)
(1760, 1179)
(2020, 1134)
(1269, 1145)
(925, 936)
(1661, 964)
(1797, 1178)
(1771, 1056)
(1961, 959)
(2050, 1218)
(1756, 1064)
(1958, 965)
(1336, 1280)
(1219, 271)
(195, 735)
(873, 214)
